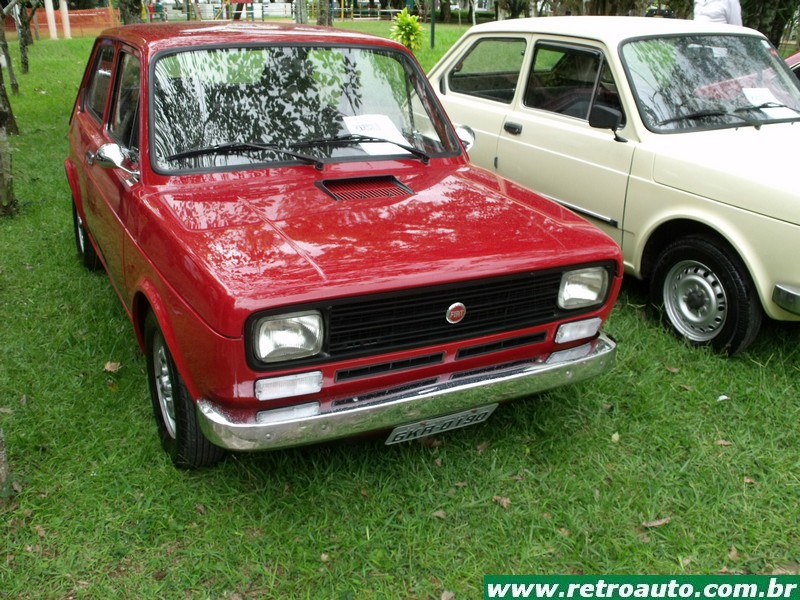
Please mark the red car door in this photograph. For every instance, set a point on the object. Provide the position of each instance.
(109, 114)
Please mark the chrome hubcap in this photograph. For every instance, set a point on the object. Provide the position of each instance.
(79, 233)
(695, 300)
(163, 382)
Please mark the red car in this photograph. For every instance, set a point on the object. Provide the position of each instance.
(793, 60)
(305, 251)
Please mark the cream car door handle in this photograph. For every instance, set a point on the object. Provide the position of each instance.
(512, 128)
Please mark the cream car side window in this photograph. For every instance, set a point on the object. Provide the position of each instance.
(569, 81)
(490, 69)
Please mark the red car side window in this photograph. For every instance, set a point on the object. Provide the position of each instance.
(123, 123)
(97, 90)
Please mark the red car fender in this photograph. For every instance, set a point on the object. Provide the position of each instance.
(148, 298)
(197, 349)
(74, 184)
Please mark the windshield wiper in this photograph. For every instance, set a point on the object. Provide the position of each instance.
(236, 147)
(704, 114)
(355, 138)
(763, 106)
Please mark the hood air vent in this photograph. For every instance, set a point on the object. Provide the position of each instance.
(366, 188)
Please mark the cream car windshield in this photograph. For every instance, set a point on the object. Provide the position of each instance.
(236, 107)
(709, 82)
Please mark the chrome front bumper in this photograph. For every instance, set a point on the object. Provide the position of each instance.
(408, 406)
(787, 297)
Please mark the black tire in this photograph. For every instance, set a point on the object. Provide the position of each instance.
(706, 294)
(178, 428)
(83, 244)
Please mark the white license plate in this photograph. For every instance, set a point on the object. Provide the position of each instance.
(414, 431)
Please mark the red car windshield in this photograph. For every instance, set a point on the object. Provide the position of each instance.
(239, 107)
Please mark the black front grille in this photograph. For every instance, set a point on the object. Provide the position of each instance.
(370, 325)
(504, 344)
(387, 367)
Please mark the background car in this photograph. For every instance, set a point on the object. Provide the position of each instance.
(304, 249)
(665, 12)
(673, 136)
(793, 60)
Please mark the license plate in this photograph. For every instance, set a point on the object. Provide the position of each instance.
(414, 431)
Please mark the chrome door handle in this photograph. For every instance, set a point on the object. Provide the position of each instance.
(90, 157)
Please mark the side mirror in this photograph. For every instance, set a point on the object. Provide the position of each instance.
(605, 117)
(466, 135)
(111, 156)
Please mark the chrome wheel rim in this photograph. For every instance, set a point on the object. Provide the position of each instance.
(163, 383)
(695, 300)
(79, 233)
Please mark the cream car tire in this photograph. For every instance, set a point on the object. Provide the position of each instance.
(706, 295)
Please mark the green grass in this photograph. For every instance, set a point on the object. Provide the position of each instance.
(96, 510)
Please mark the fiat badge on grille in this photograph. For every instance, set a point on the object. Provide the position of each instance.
(456, 313)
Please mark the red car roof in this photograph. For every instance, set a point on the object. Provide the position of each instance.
(179, 34)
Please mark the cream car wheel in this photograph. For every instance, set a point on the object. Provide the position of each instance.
(695, 301)
(706, 293)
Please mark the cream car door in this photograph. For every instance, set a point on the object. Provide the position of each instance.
(547, 144)
(479, 89)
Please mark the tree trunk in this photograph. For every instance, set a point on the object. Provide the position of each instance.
(300, 12)
(9, 65)
(8, 124)
(444, 16)
(130, 11)
(36, 35)
(8, 202)
(23, 55)
(324, 13)
(25, 37)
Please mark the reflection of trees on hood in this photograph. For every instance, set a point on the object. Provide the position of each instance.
(268, 96)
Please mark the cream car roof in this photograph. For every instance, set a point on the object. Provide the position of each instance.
(609, 30)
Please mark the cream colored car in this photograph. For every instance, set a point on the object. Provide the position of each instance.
(675, 137)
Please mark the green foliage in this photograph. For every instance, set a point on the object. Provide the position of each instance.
(407, 30)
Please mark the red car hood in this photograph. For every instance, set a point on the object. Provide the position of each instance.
(275, 242)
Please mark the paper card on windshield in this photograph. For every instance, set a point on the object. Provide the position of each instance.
(379, 126)
(759, 96)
